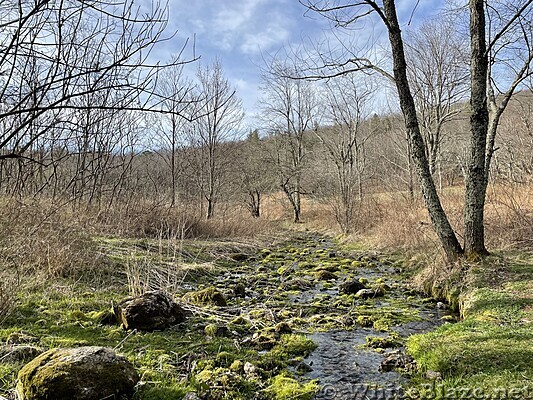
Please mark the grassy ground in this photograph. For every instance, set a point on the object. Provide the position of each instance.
(491, 350)
(251, 348)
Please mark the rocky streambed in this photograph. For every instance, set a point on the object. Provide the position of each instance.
(305, 318)
(354, 305)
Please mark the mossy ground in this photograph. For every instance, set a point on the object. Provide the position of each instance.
(286, 297)
(491, 349)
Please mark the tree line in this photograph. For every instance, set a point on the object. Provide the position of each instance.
(86, 118)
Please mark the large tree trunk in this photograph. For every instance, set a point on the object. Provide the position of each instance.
(443, 228)
(476, 182)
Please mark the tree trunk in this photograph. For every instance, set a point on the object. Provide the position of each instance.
(476, 184)
(254, 203)
(443, 228)
(210, 208)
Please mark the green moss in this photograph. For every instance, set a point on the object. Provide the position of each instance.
(324, 275)
(211, 330)
(237, 366)
(384, 342)
(492, 346)
(207, 296)
(283, 387)
(291, 345)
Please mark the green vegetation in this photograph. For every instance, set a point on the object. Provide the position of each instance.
(492, 347)
(220, 355)
(258, 350)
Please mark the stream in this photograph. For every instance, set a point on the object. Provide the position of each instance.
(350, 361)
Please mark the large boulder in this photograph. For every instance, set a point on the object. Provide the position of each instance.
(150, 311)
(83, 373)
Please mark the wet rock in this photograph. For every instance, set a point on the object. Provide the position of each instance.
(13, 353)
(21, 338)
(351, 286)
(207, 296)
(397, 360)
(83, 373)
(303, 367)
(324, 275)
(369, 293)
(150, 311)
(296, 284)
(239, 290)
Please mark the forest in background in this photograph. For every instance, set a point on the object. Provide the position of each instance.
(96, 138)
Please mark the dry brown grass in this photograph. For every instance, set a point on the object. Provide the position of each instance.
(36, 239)
(509, 216)
(44, 239)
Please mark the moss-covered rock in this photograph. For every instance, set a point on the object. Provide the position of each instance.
(214, 330)
(207, 296)
(239, 290)
(84, 373)
(370, 293)
(150, 311)
(324, 275)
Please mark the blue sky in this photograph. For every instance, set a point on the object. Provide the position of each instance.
(241, 32)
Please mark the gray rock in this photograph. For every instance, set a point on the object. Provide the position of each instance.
(83, 373)
(150, 311)
(369, 293)
(249, 368)
(18, 353)
(352, 286)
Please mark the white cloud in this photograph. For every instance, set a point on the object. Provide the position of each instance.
(273, 35)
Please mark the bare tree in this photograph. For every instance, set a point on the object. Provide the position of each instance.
(219, 117)
(254, 172)
(170, 128)
(517, 19)
(438, 72)
(347, 101)
(289, 107)
(52, 53)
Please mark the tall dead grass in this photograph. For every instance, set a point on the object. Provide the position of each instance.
(36, 239)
